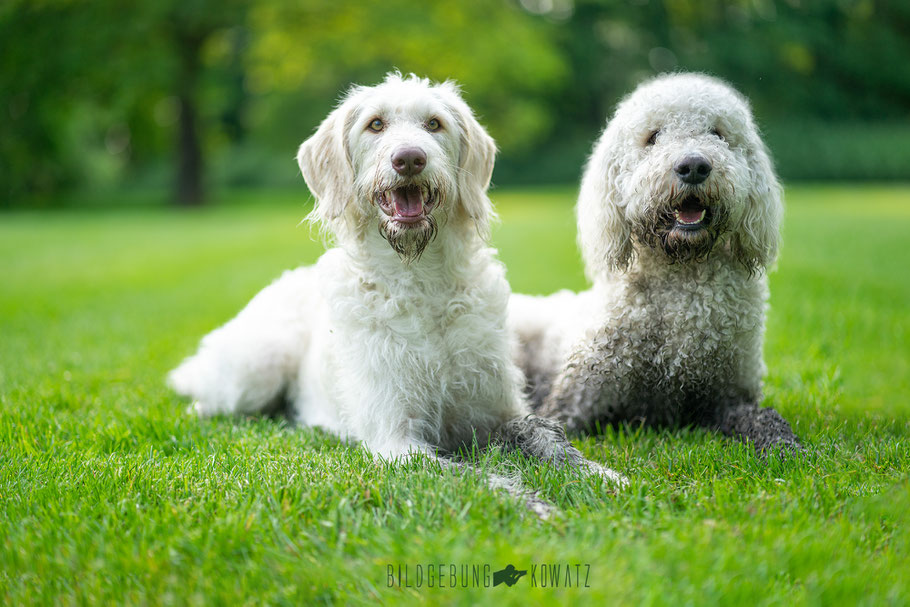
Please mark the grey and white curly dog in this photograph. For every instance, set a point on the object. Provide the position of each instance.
(678, 222)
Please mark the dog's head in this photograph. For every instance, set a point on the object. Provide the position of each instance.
(680, 169)
(401, 156)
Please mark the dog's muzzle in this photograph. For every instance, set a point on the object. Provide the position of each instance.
(686, 227)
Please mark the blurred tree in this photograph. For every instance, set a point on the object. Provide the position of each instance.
(188, 25)
(98, 66)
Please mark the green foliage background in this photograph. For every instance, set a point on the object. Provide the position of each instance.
(91, 90)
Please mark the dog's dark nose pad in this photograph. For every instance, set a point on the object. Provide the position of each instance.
(693, 168)
(409, 161)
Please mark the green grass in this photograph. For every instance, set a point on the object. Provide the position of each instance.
(109, 493)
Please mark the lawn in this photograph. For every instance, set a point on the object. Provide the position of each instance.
(111, 494)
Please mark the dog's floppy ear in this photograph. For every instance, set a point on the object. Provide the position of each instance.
(475, 163)
(604, 235)
(758, 239)
(325, 162)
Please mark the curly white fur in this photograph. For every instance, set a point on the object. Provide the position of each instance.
(401, 347)
(671, 331)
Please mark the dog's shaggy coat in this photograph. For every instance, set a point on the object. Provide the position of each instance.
(397, 337)
(678, 221)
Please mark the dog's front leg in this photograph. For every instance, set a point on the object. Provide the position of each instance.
(762, 426)
(545, 439)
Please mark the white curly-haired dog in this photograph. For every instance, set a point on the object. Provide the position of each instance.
(397, 337)
(678, 222)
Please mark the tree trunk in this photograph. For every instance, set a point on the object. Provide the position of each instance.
(189, 187)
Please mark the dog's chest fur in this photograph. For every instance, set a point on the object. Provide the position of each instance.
(430, 346)
(680, 341)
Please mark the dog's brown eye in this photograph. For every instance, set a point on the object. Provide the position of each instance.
(377, 125)
(433, 125)
(652, 137)
(717, 134)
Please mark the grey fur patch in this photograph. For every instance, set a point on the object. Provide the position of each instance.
(539, 377)
(540, 438)
(762, 426)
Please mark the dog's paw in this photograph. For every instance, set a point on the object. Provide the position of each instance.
(610, 476)
(196, 409)
(202, 410)
(541, 508)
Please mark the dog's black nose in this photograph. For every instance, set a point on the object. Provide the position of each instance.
(409, 161)
(693, 168)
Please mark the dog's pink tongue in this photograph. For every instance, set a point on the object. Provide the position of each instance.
(407, 201)
(690, 214)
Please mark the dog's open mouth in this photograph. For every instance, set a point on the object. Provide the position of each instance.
(407, 205)
(687, 228)
(691, 214)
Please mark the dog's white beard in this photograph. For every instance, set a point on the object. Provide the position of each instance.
(409, 242)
